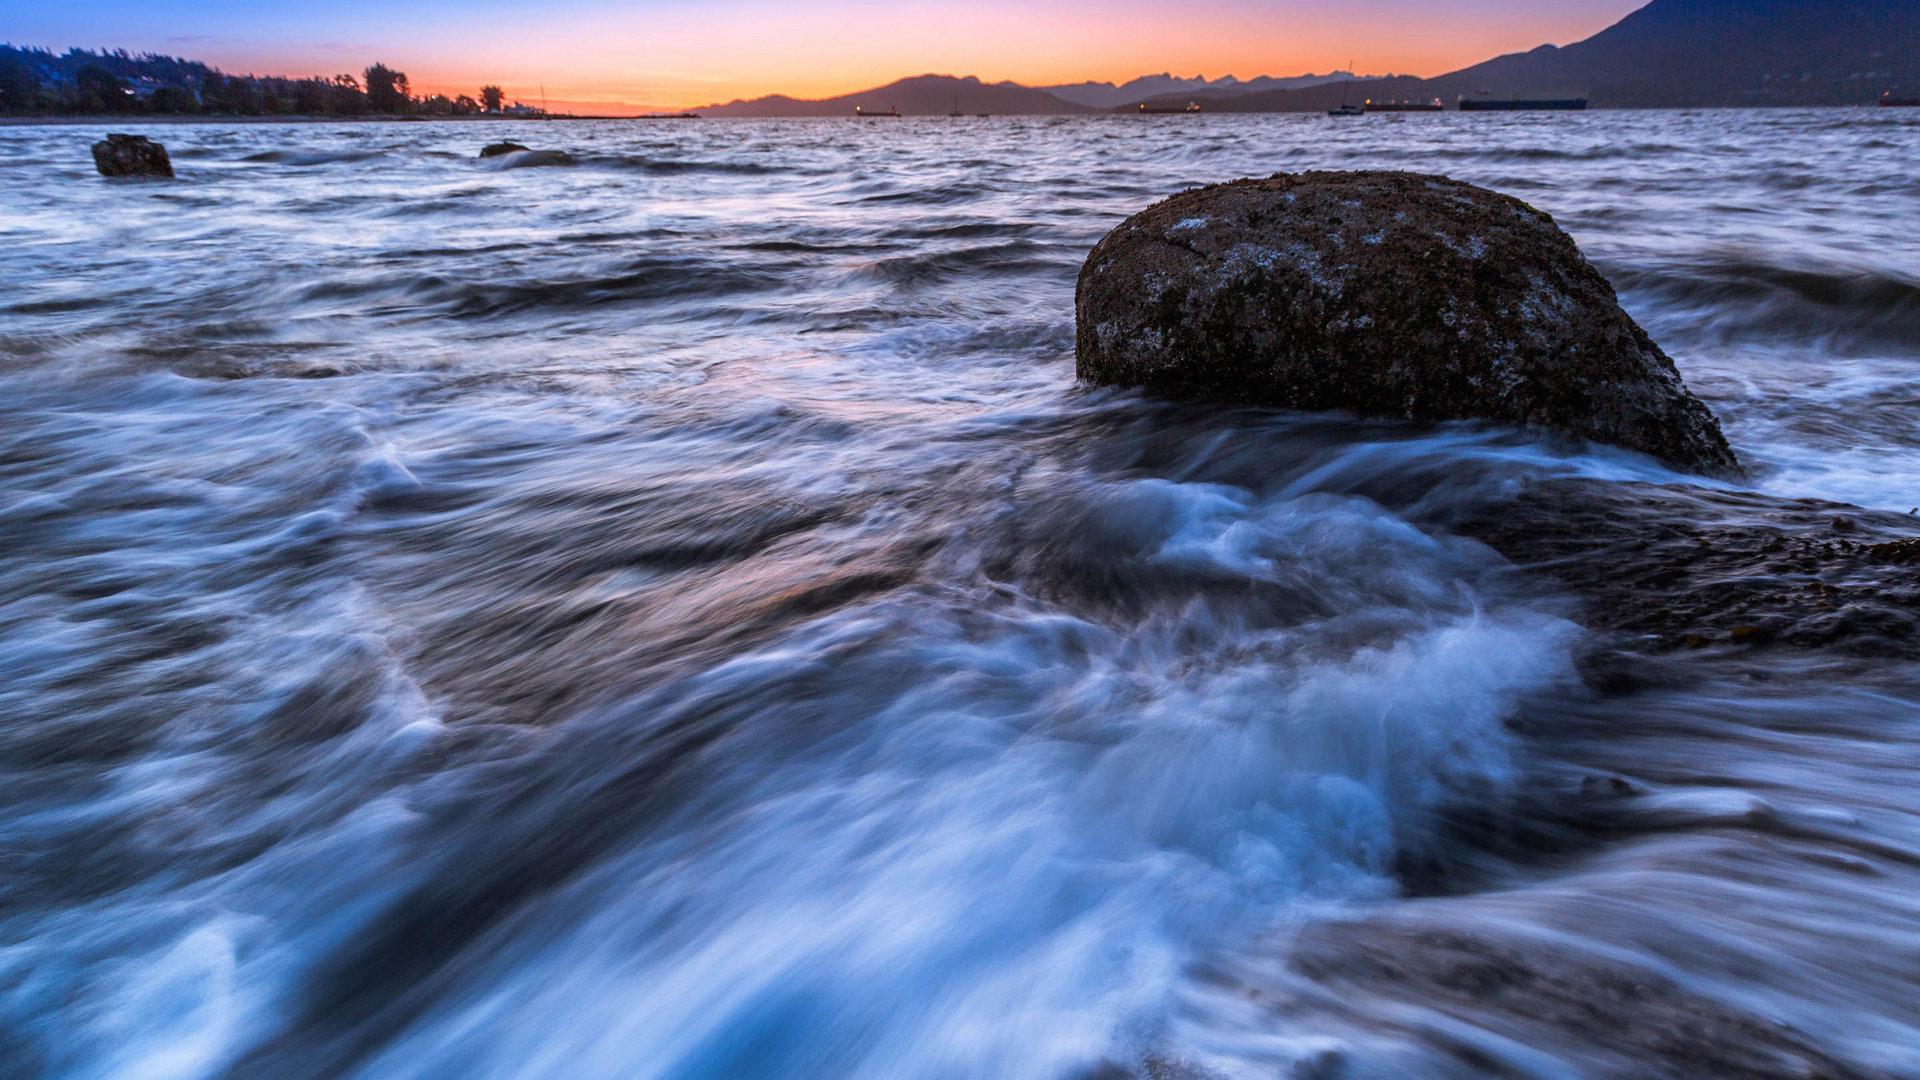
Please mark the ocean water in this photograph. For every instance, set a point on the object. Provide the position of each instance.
(676, 616)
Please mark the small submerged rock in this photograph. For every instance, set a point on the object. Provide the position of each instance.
(1384, 294)
(131, 155)
(535, 158)
(519, 157)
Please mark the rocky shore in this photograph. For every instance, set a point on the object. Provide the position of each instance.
(1669, 566)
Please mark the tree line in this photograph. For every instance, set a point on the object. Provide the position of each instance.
(118, 82)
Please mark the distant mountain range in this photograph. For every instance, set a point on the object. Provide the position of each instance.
(1726, 52)
(1105, 95)
(922, 95)
(938, 95)
(1668, 54)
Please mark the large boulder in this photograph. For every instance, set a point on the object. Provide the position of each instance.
(131, 155)
(496, 149)
(1385, 294)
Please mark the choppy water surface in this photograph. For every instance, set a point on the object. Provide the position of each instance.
(675, 616)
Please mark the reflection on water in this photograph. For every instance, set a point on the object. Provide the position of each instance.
(674, 616)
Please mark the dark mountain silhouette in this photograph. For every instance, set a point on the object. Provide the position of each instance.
(1724, 52)
(1678, 53)
(922, 95)
(1105, 95)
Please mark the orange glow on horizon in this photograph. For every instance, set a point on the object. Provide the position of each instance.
(678, 58)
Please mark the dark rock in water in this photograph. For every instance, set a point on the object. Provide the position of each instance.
(131, 155)
(1676, 567)
(528, 159)
(1897, 552)
(519, 157)
(1385, 294)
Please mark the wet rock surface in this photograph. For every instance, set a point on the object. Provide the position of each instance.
(516, 156)
(1627, 1021)
(1385, 294)
(131, 155)
(1674, 567)
(535, 158)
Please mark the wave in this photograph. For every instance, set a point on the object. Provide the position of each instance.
(311, 157)
(937, 195)
(1739, 296)
(59, 306)
(532, 159)
(667, 166)
(1537, 154)
(804, 247)
(1075, 800)
(634, 281)
(964, 230)
(1013, 257)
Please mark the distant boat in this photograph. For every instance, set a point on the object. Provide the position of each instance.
(1436, 105)
(1889, 101)
(875, 113)
(1484, 102)
(956, 107)
(1157, 110)
(1347, 108)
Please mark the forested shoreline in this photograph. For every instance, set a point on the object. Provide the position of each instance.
(36, 82)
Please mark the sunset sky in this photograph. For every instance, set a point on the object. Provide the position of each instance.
(599, 55)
